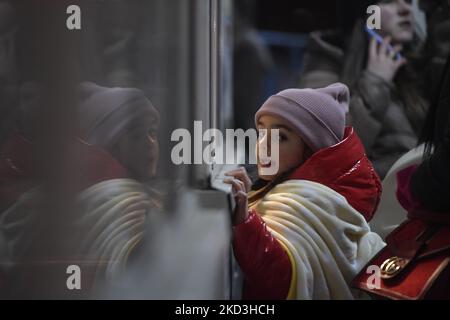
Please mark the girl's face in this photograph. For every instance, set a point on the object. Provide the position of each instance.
(292, 150)
(397, 20)
(138, 150)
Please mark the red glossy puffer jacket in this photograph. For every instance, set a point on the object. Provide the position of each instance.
(344, 168)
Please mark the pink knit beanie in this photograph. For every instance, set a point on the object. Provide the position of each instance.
(317, 115)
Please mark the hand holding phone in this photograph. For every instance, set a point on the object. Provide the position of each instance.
(372, 33)
(384, 59)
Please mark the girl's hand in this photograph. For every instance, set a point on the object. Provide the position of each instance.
(240, 185)
(382, 61)
(241, 174)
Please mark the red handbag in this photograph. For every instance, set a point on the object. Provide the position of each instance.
(415, 264)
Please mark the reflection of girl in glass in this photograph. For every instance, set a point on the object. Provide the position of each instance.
(114, 212)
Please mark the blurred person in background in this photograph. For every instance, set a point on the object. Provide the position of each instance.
(252, 61)
(388, 103)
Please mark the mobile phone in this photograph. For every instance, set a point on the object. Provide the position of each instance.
(379, 39)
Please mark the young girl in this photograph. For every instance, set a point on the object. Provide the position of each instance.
(304, 235)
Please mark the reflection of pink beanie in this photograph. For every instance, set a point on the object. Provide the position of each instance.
(317, 115)
(105, 113)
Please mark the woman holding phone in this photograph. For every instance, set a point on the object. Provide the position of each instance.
(388, 103)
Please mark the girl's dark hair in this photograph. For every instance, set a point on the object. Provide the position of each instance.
(262, 187)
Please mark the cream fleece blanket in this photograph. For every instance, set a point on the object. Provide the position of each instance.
(326, 238)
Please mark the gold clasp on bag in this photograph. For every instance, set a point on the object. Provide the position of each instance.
(390, 267)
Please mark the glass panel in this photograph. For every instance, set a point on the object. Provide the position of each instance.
(90, 95)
